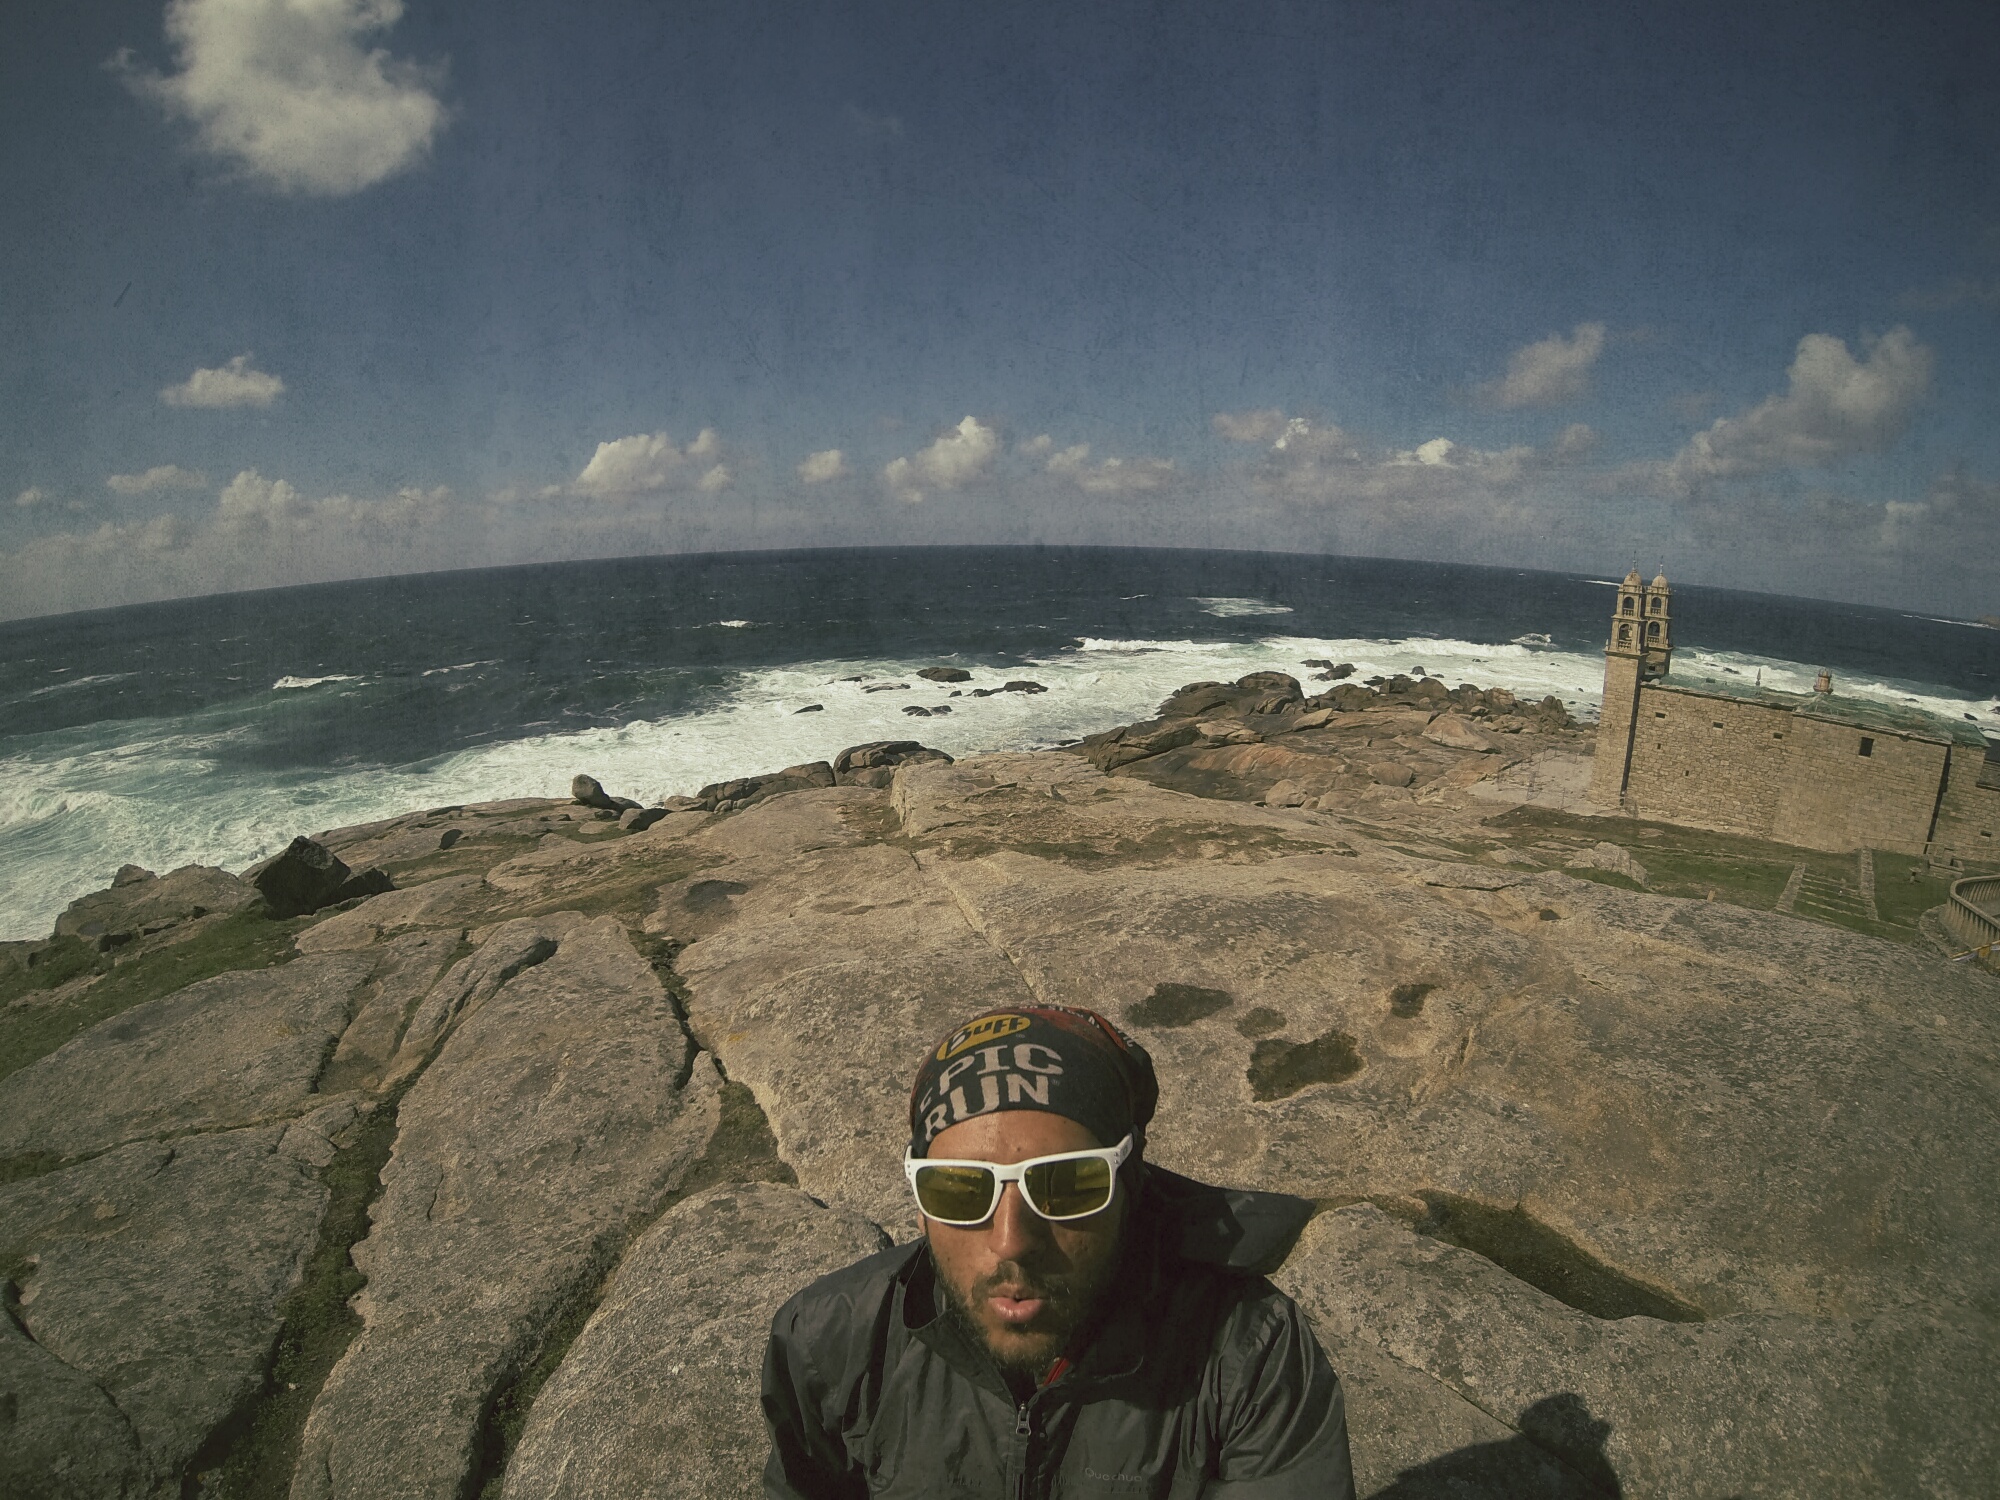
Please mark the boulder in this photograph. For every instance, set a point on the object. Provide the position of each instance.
(658, 1396)
(1390, 773)
(1228, 732)
(372, 881)
(639, 819)
(1285, 794)
(1281, 685)
(945, 674)
(562, 1109)
(156, 1274)
(916, 710)
(1609, 858)
(1350, 697)
(732, 796)
(305, 877)
(1198, 699)
(874, 763)
(239, 1049)
(589, 792)
(1449, 730)
(1117, 747)
(139, 903)
(811, 708)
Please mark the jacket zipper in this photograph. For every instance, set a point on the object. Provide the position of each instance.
(1024, 1428)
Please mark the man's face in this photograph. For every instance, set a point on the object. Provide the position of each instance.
(1020, 1282)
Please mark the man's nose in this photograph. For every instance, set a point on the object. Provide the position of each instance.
(1017, 1228)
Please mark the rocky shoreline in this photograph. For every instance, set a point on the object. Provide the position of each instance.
(468, 1152)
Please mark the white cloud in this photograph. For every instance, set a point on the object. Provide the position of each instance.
(960, 457)
(160, 477)
(716, 480)
(1957, 505)
(32, 496)
(261, 533)
(286, 91)
(1250, 426)
(235, 384)
(1573, 443)
(1112, 476)
(250, 501)
(1548, 371)
(1039, 444)
(647, 463)
(824, 466)
(1835, 406)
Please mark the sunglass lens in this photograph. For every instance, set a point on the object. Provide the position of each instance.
(1069, 1189)
(955, 1195)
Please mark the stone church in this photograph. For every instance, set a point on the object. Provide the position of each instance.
(1817, 771)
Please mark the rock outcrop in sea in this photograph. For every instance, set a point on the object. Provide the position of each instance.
(486, 1181)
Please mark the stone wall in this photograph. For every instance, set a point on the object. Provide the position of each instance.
(1968, 821)
(1710, 761)
(1838, 798)
(1614, 727)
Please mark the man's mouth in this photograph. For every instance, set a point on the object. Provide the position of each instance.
(1016, 1309)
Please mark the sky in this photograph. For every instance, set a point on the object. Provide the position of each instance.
(294, 290)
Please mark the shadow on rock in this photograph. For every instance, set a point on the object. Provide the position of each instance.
(1558, 1455)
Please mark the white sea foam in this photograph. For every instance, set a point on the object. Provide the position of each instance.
(464, 666)
(81, 802)
(1231, 609)
(77, 682)
(287, 683)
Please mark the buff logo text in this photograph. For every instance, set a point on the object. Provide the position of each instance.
(978, 1033)
(994, 1077)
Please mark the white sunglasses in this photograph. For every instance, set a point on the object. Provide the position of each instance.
(1068, 1185)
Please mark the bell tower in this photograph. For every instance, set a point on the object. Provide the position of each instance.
(1638, 652)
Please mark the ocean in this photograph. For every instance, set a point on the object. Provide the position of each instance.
(213, 730)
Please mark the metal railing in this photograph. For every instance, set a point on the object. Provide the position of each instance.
(1972, 915)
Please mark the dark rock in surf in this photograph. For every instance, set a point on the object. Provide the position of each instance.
(589, 791)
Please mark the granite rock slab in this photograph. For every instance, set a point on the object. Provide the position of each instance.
(158, 1272)
(559, 1112)
(238, 1049)
(658, 1396)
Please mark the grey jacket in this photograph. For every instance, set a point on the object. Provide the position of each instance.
(1203, 1380)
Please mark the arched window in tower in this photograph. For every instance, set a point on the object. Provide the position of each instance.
(1654, 604)
(1653, 630)
(1624, 635)
(1626, 606)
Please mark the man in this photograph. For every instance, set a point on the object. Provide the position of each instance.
(1075, 1321)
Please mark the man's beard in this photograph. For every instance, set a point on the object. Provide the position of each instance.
(1070, 1299)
